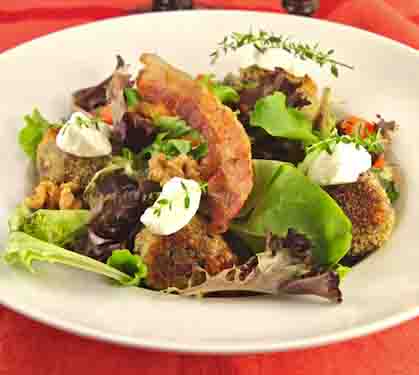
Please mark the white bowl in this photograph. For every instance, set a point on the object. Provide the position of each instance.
(380, 292)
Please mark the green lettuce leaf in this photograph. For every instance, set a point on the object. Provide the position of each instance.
(59, 227)
(283, 198)
(272, 114)
(18, 218)
(31, 135)
(226, 94)
(131, 264)
(23, 249)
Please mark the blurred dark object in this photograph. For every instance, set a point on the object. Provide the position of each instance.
(162, 5)
(301, 7)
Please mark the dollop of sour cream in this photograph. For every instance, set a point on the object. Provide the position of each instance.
(273, 58)
(175, 207)
(344, 165)
(83, 137)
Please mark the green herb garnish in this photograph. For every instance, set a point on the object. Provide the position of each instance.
(187, 197)
(204, 187)
(167, 142)
(373, 143)
(263, 41)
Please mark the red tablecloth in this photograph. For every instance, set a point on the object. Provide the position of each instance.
(27, 347)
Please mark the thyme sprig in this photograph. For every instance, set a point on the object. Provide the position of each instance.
(373, 143)
(263, 41)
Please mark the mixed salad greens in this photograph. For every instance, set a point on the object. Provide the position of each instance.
(199, 186)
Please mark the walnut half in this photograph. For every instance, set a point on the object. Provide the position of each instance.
(51, 196)
(162, 169)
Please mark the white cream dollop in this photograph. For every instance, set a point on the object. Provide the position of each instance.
(342, 166)
(276, 58)
(83, 137)
(175, 207)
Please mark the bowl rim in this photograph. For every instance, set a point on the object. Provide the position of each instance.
(216, 348)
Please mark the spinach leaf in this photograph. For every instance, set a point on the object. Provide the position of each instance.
(272, 114)
(282, 199)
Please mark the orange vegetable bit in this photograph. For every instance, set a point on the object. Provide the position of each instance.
(379, 162)
(357, 126)
(105, 114)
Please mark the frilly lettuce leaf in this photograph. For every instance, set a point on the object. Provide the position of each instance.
(59, 227)
(31, 135)
(272, 114)
(19, 217)
(268, 273)
(283, 198)
(123, 267)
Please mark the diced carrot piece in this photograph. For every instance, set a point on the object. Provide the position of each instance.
(105, 114)
(355, 125)
(349, 124)
(379, 163)
(367, 129)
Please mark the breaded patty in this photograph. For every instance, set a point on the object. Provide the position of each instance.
(60, 167)
(172, 260)
(366, 204)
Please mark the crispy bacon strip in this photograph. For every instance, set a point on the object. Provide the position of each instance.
(227, 167)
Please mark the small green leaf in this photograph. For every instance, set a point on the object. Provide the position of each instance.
(173, 126)
(342, 271)
(226, 94)
(129, 264)
(175, 147)
(200, 152)
(132, 97)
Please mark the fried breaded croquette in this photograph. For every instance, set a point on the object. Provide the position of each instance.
(59, 167)
(367, 205)
(176, 259)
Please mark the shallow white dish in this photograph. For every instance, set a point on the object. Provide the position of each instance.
(380, 292)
